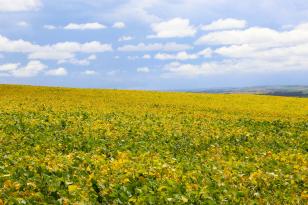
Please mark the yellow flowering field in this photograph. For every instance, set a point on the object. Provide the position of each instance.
(87, 146)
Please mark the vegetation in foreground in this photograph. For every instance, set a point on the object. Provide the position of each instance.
(72, 146)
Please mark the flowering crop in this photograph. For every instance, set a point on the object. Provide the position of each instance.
(86, 146)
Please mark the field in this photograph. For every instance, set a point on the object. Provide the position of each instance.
(289, 91)
(86, 146)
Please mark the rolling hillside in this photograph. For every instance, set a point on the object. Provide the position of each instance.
(288, 91)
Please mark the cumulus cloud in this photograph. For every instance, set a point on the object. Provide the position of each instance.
(74, 61)
(182, 56)
(81, 62)
(143, 70)
(187, 70)
(23, 24)
(155, 47)
(135, 10)
(265, 37)
(173, 28)
(261, 43)
(89, 72)
(58, 51)
(32, 69)
(125, 38)
(251, 50)
(50, 54)
(50, 27)
(132, 58)
(9, 67)
(225, 24)
(206, 53)
(149, 11)
(19, 46)
(233, 66)
(92, 57)
(146, 56)
(119, 25)
(89, 47)
(19, 5)
(57, 72)
(86, 26)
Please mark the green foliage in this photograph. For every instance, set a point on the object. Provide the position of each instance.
(74, 146)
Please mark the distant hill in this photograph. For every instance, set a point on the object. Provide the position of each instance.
(290, 91)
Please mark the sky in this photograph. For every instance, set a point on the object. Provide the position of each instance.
(154, 44)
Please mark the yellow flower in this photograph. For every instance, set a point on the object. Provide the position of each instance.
(72, 188)
(8, 184)
(304, 195)
(184, 199)
(16, 185)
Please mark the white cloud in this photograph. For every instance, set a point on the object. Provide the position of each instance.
(206, 53)
(23, 24)
(9, 67)
(58, 51)
(50, 27)
(132, 58)
(234, 66)
(92, 57)
(74, 61)
(262, 44)
(143, 70)
(135, 10)
(89, 47)
(237, 51)
(119, 25)
(89, 72)
(149, 11)
(19, 5)
(155, 47)
(19, 46)
(50, 54)
(253, 50)
(176, 69)
(303, 26)
(57, 72)
(146, 56)
(182, 56)
(125, 38)
(176, 27)
(32, 69)
(86, 26)
(225, 24)
(264, 37)
(81, 62)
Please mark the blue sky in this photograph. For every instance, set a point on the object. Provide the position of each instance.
(154, 44)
